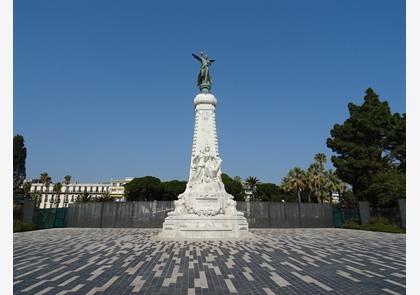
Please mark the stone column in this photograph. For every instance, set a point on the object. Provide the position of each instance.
(28, 211)
(364, 212)
(401, 206)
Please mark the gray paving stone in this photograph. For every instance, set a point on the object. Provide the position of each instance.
(276, 261)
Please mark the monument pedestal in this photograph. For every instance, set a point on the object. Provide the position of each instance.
(205, 227)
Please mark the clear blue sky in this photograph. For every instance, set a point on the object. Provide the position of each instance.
(105, 88)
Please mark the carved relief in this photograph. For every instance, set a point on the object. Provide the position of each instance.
(205, 167)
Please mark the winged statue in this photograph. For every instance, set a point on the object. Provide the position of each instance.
(204, 81)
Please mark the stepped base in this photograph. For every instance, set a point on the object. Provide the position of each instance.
(193, 227)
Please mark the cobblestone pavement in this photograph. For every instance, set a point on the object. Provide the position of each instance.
(277, 261)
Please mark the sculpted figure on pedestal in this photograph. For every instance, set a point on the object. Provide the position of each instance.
(205, 167)
(180, 206)
(204, 81)
(230, 207)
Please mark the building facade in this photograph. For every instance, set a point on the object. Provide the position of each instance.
(70, 192)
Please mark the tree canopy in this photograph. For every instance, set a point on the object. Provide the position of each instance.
(316, 182)
(233, 187)
(147, 188)
(172, 189)
(369, 150)
(19, 162)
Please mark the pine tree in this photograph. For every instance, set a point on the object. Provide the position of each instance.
(365, 145)
(19, 161)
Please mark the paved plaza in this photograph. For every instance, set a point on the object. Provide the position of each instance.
(276, 261)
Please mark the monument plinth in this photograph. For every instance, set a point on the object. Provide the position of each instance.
(205, 210)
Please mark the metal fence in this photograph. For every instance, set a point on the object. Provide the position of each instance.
(153, 214)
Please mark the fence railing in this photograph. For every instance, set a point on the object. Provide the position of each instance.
(153, 214)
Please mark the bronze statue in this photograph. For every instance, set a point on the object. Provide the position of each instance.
(204, 81)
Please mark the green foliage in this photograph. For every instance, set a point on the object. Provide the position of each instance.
(84, 198)
(19, 226)
(375, 224)
(268, 192)
(45, 178)
(233, 187)
(251, 183)
(36, 196)
(315, 181)
(17, 210)
(19, 162)
(27, 188)
(147, 188)
(396, 142)
(104, 198)
(388, 186)
(172, 189)
(67, 179)
(367, 144)
(348, 199)
(295, 182)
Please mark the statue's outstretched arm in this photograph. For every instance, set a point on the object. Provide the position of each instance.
(197, 57)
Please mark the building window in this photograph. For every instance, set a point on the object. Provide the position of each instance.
(45, 205)
(72, 198)
(46, 198)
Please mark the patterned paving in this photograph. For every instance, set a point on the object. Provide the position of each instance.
(277, 261)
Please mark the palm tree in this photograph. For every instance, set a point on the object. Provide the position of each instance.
(294, 181)
(84, 198)
(66, 182)
(36, 196)
(308, 184)
(333, 184)
(27, 188)
(317, 176)
(67, 179)
(57, 190)
(251, 184)
(320, 159)
(45, 179)
(106, 197)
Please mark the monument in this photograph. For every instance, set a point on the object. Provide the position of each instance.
(205, 210)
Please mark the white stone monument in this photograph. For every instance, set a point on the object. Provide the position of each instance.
(205, 210)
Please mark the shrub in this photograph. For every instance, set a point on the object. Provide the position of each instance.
(19, 226)
(351, 224)
(375, 224)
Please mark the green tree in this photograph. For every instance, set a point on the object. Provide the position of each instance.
(172, 189)
(36, 196)
(366, 145)
(333, 184)
(147, 188)
(268, 192)
(233, 187)
(316, 177)
(251, 183)
(45, 179)
(27, 188)
(294, 182)
(388, 186)
(57, 189)
(396, 142)
(19, 162)
(67, 179)
(84, 198)
(106, 197)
